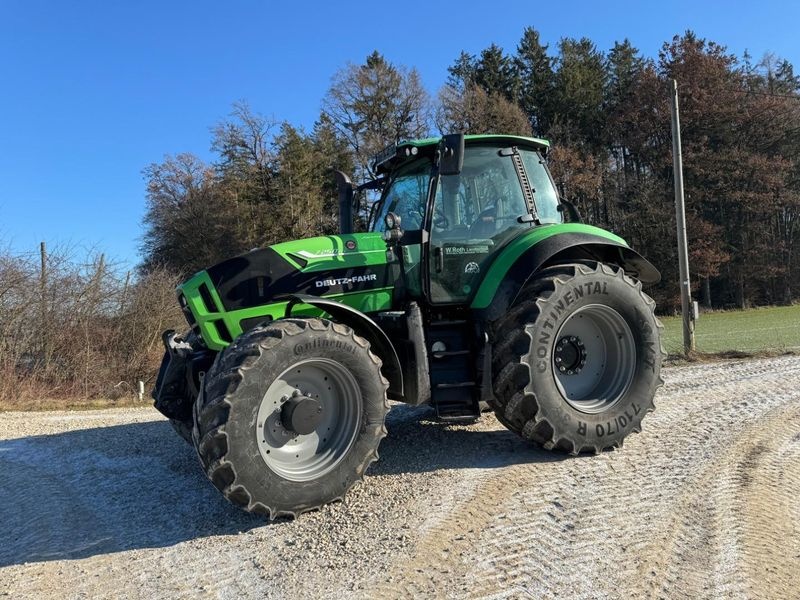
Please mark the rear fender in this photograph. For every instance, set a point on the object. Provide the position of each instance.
(569, 246)
(366, 328)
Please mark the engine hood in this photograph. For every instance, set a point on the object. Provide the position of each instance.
(235, 293)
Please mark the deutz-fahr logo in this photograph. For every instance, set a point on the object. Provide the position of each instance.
(346, 280)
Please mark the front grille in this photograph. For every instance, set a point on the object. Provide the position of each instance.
(208, 301)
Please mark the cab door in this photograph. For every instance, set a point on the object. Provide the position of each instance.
(473, 213)
(406, 196)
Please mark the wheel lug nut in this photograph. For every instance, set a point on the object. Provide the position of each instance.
(562, 369)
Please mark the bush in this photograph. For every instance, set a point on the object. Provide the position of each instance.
(82, 331)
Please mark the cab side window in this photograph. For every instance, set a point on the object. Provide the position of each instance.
(406, 196)
(484, 201)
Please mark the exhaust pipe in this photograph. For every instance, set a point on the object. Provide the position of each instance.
(345, 187)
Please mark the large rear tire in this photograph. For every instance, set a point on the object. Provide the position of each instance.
(290, 416)
(577, 361)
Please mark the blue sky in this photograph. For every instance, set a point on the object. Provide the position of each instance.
(93, 92)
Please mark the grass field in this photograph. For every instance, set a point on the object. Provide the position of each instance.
(775, 328)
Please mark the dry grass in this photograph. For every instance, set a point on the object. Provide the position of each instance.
(45, 403)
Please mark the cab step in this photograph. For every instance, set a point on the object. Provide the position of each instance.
(461, 384)
(446, 353)
(456, 401)
(455, 392)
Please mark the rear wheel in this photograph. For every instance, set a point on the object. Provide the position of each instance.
(290, 416)
(577, 361)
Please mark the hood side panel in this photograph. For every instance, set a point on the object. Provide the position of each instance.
(226, 298)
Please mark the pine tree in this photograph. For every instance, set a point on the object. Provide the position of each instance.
(536, 80)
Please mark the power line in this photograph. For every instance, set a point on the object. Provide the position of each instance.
(771, 94)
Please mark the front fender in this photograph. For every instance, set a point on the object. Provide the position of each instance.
(366, 328)
(516, 264)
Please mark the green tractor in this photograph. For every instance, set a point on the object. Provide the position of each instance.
(474, 287)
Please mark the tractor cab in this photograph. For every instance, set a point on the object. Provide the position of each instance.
(448, 206)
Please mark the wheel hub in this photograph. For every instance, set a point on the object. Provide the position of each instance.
(308, 419)
(301, 414)
(594, 358)
(570, 355)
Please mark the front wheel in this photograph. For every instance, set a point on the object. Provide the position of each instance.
(578, 359)
(290, 416)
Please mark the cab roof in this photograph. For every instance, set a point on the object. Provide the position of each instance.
(398, 153)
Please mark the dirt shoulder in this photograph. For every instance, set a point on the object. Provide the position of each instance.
(703, 503)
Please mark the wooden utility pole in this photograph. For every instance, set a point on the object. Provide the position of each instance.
(680, 218)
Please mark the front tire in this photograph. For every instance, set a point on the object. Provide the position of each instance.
(577, 361)
(290, 416)
(183, 429)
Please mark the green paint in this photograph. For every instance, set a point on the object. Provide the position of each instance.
(328, 253)
(509, 255)
(367, 301)
(319, 254)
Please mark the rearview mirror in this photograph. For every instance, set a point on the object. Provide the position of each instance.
(451, 154)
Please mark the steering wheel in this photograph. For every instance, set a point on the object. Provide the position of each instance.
(484, 224)
(440, 221)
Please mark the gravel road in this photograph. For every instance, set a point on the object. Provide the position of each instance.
(704, 503)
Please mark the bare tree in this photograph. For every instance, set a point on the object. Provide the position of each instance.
(190, 219)
(375, 104)
(97, 345)
(476, 111)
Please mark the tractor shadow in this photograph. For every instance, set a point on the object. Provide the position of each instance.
(419, 443)
(103, 490)
(109, 489)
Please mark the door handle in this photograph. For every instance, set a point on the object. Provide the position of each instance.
(438, 259)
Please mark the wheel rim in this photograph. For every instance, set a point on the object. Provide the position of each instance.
(594, 358)
(298, 457)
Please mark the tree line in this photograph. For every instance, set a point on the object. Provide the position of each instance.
(608, 117)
